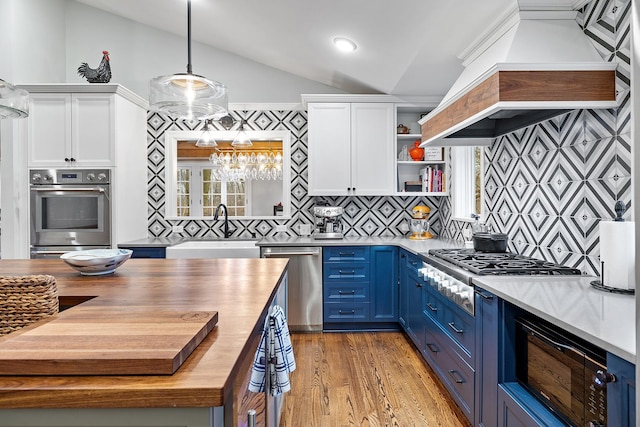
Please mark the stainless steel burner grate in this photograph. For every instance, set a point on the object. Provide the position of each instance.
(484, 263)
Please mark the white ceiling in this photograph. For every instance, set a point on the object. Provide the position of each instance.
(406, 47)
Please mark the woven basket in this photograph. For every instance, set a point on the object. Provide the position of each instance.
(25, 300)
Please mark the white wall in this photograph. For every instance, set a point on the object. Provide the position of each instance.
(32, 40)
(44, 41)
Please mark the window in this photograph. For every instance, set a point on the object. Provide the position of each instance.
(201, 195)
(466, 185)
(183, 193)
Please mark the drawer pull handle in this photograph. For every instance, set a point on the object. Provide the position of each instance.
(352, 272)
(414, 263)
(418, 285)
(431, 307)
(432, 348)
(347, 253)
(347, 292)
(456, 376)
(453, 327)
(346, 312)
(485, 296)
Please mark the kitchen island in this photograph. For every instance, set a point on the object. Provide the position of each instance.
(207, 388)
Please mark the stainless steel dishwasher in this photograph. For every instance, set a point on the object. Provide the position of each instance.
(304, 293)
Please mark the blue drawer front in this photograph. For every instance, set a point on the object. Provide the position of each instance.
(455, 373)
(346, 312)
(413, 262)
(148, 252)
(346, 272)
(459, 325)
(346, 291)
(346, 253)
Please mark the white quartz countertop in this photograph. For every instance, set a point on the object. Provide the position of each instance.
(415, 246)
(570, 302)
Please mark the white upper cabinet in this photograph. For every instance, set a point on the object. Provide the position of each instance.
(69, 130)
(351, 149)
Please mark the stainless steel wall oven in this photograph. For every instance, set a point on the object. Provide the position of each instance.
(69, 210)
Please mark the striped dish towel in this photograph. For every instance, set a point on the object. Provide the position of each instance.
(276, 339)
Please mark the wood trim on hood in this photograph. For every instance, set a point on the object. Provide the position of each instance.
(517, 86)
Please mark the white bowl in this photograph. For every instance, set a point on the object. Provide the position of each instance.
(94, 262)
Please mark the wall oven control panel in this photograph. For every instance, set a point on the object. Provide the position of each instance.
(69, 176)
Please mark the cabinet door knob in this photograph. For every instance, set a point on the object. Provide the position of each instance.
(66, 159)
(73, 160)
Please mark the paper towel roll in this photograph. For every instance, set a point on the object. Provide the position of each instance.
(617, 253)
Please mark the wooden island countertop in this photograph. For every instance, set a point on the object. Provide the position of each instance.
(239, 290)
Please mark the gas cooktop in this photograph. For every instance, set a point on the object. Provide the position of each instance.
(492, 263)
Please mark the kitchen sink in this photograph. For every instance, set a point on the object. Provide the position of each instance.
(227, 248)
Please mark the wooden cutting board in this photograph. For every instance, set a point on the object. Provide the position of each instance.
(107, 342)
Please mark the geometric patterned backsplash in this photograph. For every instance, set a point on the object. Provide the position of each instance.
(364, 216)
(548, 186)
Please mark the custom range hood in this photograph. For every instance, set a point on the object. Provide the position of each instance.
(534, 64)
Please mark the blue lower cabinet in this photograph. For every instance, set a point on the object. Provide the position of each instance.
(487, 358)
(147, 252)
(384, 284)
(346, 287)
(621, 394)
(360, 287)
(415, 319)
(454, 372)
(518, 408)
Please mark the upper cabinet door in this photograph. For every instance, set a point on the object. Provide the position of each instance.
(372, 149)
(49, 130)
(351, 149)
(93, 129)
(69, 130)
(329, 150)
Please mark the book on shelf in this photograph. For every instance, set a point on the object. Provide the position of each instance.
(433, 179)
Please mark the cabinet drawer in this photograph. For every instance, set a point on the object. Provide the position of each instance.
(413, 263)
(346, 272)
(461, 327)
(346, 312)
(456, 323)
(457, 375)
(346, 253)
(356, 292)
(433, 304)
(148, 252)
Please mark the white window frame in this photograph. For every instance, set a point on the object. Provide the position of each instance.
(462, 185)
(196, 187)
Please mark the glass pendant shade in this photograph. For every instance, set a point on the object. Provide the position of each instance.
(206, 139)
(242, 139)
(14, 102)
(187, 95)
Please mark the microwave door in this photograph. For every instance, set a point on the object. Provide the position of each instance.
(555, 372)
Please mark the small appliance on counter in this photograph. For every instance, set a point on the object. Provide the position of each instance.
(419, 224)
(328, 220)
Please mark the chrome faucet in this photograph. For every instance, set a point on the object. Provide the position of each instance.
(226, 218)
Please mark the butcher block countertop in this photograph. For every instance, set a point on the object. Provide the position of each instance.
(238, 290)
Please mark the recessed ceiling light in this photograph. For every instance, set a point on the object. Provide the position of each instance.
(344, 44)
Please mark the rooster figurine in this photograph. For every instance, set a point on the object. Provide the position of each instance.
(102, 74)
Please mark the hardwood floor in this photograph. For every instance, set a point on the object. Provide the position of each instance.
(364, 379)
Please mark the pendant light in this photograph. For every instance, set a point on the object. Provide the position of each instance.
(206, 139)
(14, 102)
(187, 95)
(242, 139)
